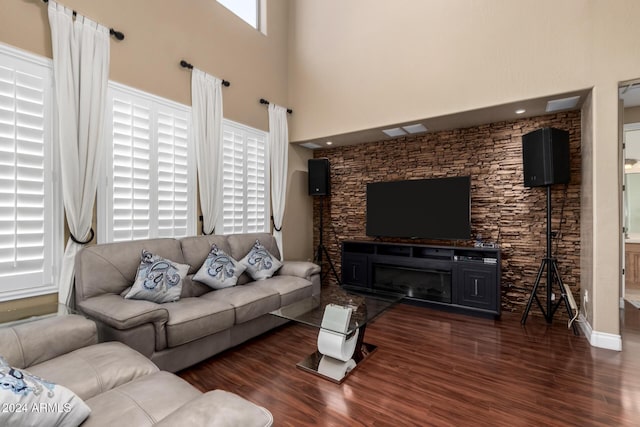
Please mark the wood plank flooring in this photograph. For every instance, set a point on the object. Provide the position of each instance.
(441, 369)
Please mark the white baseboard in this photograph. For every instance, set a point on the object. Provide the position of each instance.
(600, 339)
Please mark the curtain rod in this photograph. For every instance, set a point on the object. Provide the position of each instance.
(185, 64)
(265, 102)
(119, 35)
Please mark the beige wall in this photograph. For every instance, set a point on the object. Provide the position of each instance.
(297, 227)
(384, 62)
(586, 213)
(159, 33)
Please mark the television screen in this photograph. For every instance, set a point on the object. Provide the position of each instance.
(438, 208)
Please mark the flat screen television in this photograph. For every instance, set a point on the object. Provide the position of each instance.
(438, 208)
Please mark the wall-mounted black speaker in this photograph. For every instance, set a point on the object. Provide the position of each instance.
(545, 157)
(319, 177)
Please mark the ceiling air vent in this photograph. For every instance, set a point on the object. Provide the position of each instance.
(311, 145)
(417, 128)
(562, 104)
(394, 132)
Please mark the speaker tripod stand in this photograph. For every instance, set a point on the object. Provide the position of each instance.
(550, 264)
(322, 249)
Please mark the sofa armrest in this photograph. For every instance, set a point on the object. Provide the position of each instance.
(303, 269)
(121, 313)
(219, 408)
(36, 342)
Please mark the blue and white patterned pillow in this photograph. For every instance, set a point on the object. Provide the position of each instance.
(28, 400)
(260, 263)
(219, 270)
(158, 279)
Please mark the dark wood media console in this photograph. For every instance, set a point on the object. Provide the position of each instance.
(460, 278)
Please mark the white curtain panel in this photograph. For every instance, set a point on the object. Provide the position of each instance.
(206, 100)
(279, 159)
(81, 72)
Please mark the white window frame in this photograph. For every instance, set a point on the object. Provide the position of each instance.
(20, 286)
(105, 186)
(249, 131)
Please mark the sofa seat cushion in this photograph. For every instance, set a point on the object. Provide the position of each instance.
(96, 369)
(248, 300)
(290, 288)
(220, 409)
(194, 318)
(140, 403)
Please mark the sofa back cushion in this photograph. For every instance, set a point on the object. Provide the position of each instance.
(196, 249)
(112, 267)
(241, 244)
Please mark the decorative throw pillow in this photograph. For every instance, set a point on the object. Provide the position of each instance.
(260, 263)
(28, 400)
(219, 270)
(158, 279)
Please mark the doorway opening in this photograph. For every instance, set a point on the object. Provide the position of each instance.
(630, 247)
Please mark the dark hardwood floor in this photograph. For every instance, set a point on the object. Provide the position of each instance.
(438, 368)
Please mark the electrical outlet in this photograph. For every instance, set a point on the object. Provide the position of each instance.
(586, 295)
(553, 297)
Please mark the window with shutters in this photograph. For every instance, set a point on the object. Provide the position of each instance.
(30, 207)
(149, 187)
(246, 179)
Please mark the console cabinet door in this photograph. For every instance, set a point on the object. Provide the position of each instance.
(354, 270)
(477, 286)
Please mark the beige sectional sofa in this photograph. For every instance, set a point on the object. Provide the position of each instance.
(120, 386)
(203, 321)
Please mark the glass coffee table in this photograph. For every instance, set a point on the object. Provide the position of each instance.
(341, 316)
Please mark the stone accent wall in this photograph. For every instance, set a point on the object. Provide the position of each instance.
(502, 209)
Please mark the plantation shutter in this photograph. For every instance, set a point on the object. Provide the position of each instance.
(256, 169)
(173, 182)
(233, 182)
(131, 188)
(26, 210)
(245, 189)
(149, 190)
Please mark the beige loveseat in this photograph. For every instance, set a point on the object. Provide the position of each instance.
(203, 322)
(120, 386)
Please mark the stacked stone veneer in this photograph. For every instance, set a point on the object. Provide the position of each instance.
(502, 209)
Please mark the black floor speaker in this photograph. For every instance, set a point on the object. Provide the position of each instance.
(319, 177)
(545, 157)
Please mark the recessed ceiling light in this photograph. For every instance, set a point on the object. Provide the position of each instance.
(562, 104)
(329, 142)
(394, 132)
(520, 111)
(417, 128)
